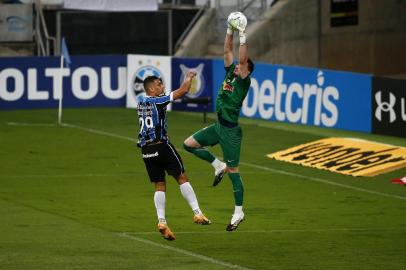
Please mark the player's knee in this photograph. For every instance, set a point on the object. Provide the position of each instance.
(233, 169)
(191, 142)
(160, 186)
(181, 179)
(187, 147)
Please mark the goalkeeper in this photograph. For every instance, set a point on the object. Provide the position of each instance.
(226, 130)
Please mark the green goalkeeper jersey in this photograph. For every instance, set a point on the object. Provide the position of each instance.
(231, 95)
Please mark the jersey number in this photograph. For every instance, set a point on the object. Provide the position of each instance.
(147, 121)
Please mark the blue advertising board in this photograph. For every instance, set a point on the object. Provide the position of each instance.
(306, 96)
(201, 85)
(298, 95)
(90, 81)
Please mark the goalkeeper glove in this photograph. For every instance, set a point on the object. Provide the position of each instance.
(243, 38)
(231, 26)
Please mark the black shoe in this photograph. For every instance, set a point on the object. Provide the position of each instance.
(234, 223)
(219, 177)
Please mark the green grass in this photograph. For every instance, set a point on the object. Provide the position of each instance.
(74, 198)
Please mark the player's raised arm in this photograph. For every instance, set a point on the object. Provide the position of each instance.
(228, 47)
(185, 87)
(243, 51)
(243, 56)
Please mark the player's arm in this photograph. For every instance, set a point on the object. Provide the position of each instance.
(228, 48)
(243, 55)
(185, 87)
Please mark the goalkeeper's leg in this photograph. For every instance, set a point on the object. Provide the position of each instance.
(192, 146)
(196, 143)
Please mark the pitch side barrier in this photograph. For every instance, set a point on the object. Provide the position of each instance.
(389, 106)
(172, 71)
(308, 96)
(90, 81)
(324, 98)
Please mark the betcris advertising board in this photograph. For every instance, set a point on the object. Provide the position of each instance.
(201, 85)
(306, 96)
(35, 82)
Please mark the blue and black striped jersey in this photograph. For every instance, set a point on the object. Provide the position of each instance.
(152, 119)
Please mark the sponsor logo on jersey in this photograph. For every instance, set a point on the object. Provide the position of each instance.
(346, 156)
(227, 84)
(150, 155)
(227, 87)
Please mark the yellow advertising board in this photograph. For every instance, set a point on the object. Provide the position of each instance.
(346, 156)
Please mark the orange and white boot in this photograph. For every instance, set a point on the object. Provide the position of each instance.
(166, 232)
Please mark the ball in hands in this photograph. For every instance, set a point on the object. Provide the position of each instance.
(237, 21)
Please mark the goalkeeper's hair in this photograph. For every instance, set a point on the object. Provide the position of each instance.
(148, 80)
(250, 65)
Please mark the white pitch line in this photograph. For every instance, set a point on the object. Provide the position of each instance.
(185, 252)
(91, 130)
(280, 231)
(209, 259)
(151, 243)
(314, 179)
(67, 175)
(31, 124)
(16, 176)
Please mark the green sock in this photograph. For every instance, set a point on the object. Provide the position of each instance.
(238, 188)
(201, 153)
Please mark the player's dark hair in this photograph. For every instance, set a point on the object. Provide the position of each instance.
(250, 65)
(148, 80)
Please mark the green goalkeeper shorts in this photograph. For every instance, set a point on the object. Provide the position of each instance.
(229, 139)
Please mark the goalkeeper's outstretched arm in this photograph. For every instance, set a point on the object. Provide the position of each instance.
(243, 55)
(228, 48)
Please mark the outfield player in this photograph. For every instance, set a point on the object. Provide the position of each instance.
(159, 154)
(226, 130)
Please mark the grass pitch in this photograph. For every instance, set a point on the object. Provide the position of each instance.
(78, 197)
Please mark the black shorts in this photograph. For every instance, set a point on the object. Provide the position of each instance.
(159, 158)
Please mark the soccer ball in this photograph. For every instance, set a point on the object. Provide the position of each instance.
(237, 21)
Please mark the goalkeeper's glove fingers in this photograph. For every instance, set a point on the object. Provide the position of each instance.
(233, 24)
(240, 29)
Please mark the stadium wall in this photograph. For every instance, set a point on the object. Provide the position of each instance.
(307, 96)
(303, 33)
